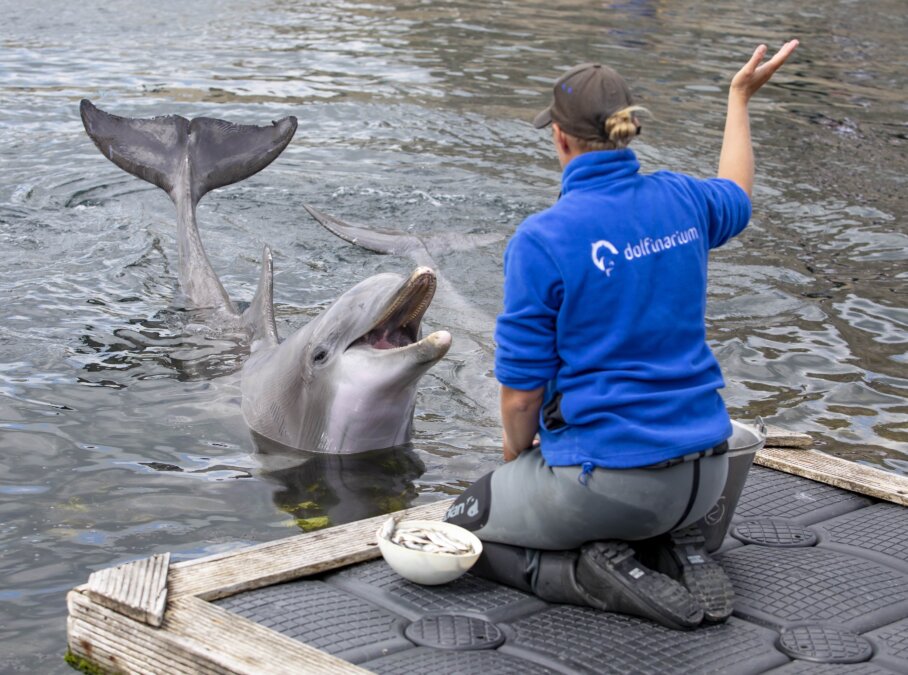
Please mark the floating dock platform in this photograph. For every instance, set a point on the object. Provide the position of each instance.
(817, 553)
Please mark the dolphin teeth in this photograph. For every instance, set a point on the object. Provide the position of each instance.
(390, 331)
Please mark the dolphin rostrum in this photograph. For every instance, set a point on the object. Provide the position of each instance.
(346, 381)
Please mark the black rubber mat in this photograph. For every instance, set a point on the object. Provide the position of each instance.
(891, 643)
(822, 644)
(771, 494)
(820, 577)
(879, 529)
(454, 631)
(324, 617)
(795, 585)
(807, 668)
(426, 660)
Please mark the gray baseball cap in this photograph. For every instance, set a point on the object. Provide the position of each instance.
(584, 97)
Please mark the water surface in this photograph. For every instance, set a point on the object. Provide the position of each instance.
(121, 434)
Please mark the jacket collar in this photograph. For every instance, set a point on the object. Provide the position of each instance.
(593, 169)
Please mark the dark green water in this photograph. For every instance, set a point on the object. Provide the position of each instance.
(120, 433)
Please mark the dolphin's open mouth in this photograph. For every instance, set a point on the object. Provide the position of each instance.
(399, 324)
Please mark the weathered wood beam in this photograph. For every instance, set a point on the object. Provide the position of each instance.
(137, 589)
(226, 574)
(839, 472)
(196, 637)
(777, 437)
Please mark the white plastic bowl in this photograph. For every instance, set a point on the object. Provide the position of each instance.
(426, 568)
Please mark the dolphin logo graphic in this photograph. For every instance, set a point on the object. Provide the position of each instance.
(600, 261)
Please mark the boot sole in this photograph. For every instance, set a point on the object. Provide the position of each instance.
(701, 575)
(639, 590)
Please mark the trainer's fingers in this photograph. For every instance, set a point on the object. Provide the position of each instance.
(755, 59)
(782, 55)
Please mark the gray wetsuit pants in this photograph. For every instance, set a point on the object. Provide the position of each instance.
(527, 503)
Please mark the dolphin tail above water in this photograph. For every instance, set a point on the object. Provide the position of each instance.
(400, 243)
(187, 159)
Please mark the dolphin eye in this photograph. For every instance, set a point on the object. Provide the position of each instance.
(320, 355)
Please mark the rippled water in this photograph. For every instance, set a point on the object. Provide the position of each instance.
(120, 433)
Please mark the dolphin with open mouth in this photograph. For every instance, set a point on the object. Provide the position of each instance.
(346, 381)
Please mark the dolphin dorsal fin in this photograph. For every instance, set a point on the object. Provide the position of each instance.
(378, 241)
(259, 316)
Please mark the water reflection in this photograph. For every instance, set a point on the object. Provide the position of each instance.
(172, 343)
(322, 490)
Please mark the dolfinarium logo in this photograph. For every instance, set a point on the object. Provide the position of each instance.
(604, 252)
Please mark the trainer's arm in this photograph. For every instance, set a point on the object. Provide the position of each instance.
(519, 418)
(736, 161)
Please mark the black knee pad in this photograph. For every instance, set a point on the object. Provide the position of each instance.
(471, 509)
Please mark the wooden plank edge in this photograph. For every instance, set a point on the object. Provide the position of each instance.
(265, 564)
(137, 589)
(196, 637)
(841, 473)
(777, 437)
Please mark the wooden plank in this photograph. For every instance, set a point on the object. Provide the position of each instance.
(839, 472)
(196, 637)
(137, 589)
(226, 574)
(777, 437)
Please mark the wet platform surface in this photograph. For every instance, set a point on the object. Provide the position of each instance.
(821, 581)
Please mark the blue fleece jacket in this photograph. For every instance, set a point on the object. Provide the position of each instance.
(604, 304)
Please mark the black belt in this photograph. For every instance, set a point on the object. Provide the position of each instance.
(720, 449)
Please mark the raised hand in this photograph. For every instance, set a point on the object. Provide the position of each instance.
(755, 74)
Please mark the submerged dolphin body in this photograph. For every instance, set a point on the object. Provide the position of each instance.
(346, 381)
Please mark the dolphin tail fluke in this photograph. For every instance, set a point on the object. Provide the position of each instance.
(187, 159)
(379, 241)
(401, 243)
(224, 153)
(153, 149)
(259, 316)
(142, 147)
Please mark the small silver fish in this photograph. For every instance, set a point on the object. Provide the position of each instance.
(424, 539)
(388, 528)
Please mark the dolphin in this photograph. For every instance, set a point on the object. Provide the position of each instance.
(343, 383)
(346, 381)
(474, 369)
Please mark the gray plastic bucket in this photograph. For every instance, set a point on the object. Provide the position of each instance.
(744, 443)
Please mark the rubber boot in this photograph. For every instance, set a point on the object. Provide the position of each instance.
(504, 564)
(618, 582)
(682, 555)
(555, 579)
(604, 575)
